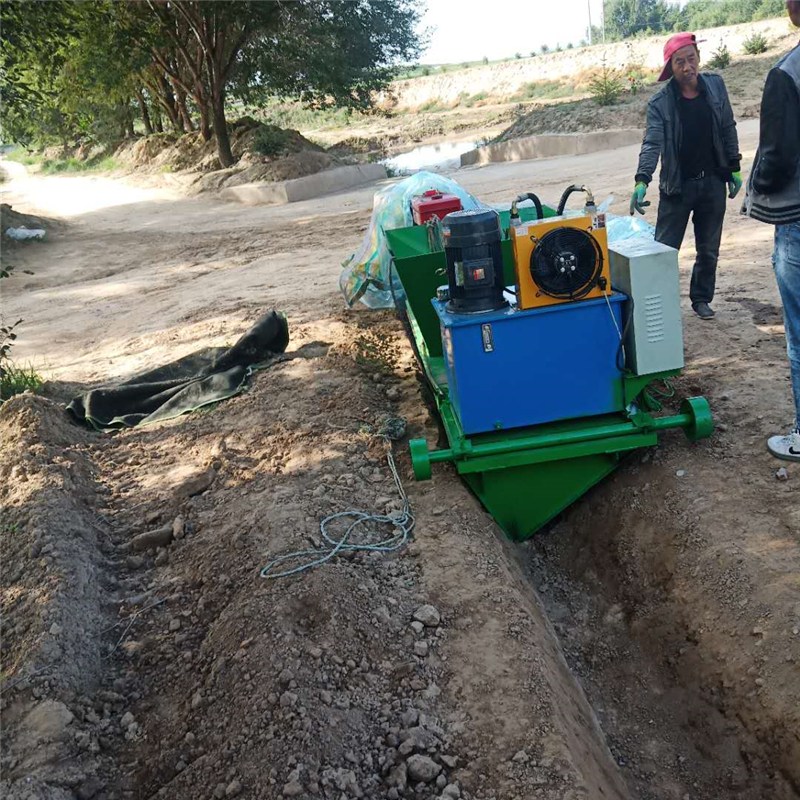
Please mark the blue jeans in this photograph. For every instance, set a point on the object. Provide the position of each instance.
(786, 260)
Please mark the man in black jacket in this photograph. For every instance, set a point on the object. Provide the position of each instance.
(773, 196)
(690, 126)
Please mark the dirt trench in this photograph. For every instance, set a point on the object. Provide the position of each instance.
(559, 669)
(686, 710)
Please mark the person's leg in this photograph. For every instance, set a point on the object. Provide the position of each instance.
(673, 217)
(709, 212)
(786, 260)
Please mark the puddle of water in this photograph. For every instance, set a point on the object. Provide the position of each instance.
(445, 155)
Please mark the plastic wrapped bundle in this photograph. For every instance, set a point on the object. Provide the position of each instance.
(367, 274)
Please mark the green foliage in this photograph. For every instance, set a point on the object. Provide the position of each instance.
(720, 59)
(270, 141)
(292, 114)
(607, 86)
(16, 379)
(755, 43)
(545, 48)
(54, 166)
(544, 90)
(714, 13)
(74, 72)
(626, 19)
(13, 378)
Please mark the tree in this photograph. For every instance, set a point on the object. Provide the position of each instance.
(627, 18)
(186, 57)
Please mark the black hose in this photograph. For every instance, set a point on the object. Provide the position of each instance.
(536, 202)
(562, 203)
(621, 354)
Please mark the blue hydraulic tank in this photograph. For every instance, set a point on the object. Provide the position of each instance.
(510, 369)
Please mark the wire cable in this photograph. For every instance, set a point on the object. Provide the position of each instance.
(401, 521)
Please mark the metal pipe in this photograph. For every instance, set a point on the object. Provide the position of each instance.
(567, 437)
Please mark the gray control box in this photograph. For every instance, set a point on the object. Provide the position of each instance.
(647, 272)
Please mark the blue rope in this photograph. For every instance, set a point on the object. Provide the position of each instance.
(402, 522)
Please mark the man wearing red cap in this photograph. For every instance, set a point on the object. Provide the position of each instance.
(773, 196)
(690, 126)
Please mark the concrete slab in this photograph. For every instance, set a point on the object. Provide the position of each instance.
(551, 145)
(306, 188)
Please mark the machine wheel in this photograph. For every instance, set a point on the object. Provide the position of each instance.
(702, 420)
(420, 459)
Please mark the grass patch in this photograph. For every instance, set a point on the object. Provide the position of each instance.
(432, 106)
(56, 166)
(22, 156)
(544, 90)
(294, 115)
(16, 379)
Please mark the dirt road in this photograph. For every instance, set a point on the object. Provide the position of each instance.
(647, 646)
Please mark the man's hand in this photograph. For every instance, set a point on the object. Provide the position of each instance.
(734, 184)
(638, 203)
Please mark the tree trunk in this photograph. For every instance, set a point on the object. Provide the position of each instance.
(167, 99)
(224, 152)
(148, 125)
(158, 123)
(129, 131)
(183, 111)
(205, 123)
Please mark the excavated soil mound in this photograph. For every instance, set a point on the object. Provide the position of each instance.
(51, 589)
(262, 153)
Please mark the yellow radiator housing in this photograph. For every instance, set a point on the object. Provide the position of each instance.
(524, 240)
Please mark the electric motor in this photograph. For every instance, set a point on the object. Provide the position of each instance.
(474, 261)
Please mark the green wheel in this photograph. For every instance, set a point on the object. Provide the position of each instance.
(420, 459)
(702, 420)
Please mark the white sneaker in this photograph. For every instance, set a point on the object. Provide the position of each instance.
(786, 447)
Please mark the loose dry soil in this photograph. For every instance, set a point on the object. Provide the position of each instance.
(646, 646)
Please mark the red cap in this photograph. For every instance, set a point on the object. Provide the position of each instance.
(675, 43)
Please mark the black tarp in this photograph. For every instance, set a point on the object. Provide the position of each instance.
(196, 380)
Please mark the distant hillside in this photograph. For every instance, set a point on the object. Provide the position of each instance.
(504, 80)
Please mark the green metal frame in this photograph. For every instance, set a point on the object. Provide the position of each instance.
(527, 476)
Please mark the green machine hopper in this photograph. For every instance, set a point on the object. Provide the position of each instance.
(523, 476)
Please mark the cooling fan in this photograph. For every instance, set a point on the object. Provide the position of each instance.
(560, 260)
(566, 264)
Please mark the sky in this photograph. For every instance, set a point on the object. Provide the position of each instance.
(468, 30)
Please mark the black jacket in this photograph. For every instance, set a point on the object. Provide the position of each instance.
(663, 135)
(773, 191)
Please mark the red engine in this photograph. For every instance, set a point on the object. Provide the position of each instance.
(433, 204)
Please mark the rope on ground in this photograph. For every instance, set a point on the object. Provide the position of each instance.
(401, 521)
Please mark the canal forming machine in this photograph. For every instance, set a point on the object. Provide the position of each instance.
(544, 347)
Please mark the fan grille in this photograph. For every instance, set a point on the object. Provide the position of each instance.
(566, 264)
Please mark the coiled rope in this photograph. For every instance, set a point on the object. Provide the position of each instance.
(402, 522)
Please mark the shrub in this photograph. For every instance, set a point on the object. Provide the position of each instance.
(13, 378)
(720, 59)
(607, 86)
(755, 43)
(269, 140)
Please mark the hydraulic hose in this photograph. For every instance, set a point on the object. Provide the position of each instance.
(527, 196)
(562, 203)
